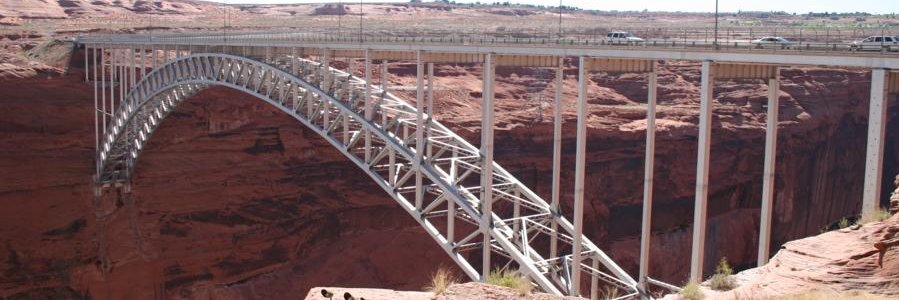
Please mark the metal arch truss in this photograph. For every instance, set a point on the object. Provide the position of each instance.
(379, 135)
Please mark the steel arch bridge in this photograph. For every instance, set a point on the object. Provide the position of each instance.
(437, 177)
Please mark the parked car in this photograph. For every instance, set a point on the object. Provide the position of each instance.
(876, 43)
(623, 37)
(772, 42)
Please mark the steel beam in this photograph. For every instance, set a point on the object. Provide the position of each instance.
(430, 105)
(419, 129)
(103, 90)
(557, 158)
(877, 121)
(648, 175)
(579, 170)
(96, 112)
(368, 106)
(487, 162)
(831, 58)
(769, 170)
(702, 172)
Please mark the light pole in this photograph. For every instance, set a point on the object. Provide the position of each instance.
(360, 21)
(560, 19)
(716, 25)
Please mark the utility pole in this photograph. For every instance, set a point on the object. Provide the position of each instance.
(716, 25)
(360, 22)
(560, 19)
(339, 16)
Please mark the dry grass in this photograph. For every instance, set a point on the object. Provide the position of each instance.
(879, 215)
(691, 291)
(510, 279)
(722, 280)
(442, 279)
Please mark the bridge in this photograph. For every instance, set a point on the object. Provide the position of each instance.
(472, 207)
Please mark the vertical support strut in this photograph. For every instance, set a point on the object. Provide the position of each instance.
(293, 61)
(143, 63)
(877, 121)
(487, 161)
(102, 92)
(132, 60)
(368, 114)
(579, 170)
(769, 169)
(383, 82)
(648, 174)
(557, 159)
(702, 172)
(86, 72)
(96, 113)
(349, 100)
(419, 129)
(429, 152)
(594, 281)
(113, 71)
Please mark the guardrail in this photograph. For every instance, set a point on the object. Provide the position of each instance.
(262, 37)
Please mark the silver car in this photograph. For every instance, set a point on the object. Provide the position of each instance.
(772, 42)
(877, 43)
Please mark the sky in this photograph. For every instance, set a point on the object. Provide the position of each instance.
(798, 6)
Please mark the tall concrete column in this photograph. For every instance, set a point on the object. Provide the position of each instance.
(430, 91)
(557, 158)
(579, 170)
(368, 106)
(487, 161)
(877, 121)
(648, 170)
(769, 171)
(702, 172)
(419, 129)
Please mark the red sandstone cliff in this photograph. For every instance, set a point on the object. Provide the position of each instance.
(234, 199)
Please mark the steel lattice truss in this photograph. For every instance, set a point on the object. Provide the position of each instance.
(430, 171)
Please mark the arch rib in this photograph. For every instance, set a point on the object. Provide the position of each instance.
(392, 129)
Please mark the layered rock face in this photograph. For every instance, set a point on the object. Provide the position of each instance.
(232, 198)
(860, 258)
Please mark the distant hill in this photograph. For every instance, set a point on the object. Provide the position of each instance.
(61, 9)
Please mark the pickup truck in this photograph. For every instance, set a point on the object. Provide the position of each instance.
(622, 37)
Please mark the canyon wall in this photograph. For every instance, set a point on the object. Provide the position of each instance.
(232, 198)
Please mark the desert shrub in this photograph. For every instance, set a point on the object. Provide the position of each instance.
(510, 279)
(722, 280)
(844, 222)
(442, 279)
(691, 291)
(879, 215)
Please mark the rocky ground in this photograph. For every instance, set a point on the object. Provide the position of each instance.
(859, 259)
(460, 291)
